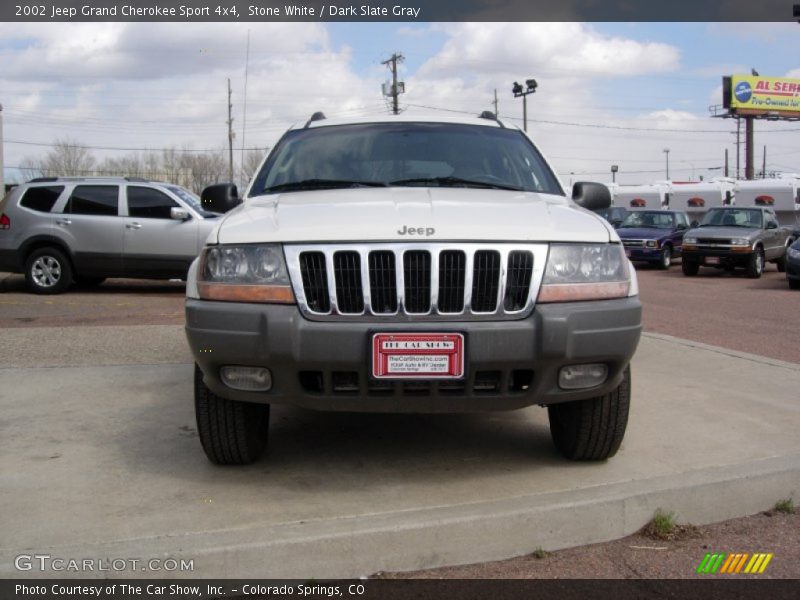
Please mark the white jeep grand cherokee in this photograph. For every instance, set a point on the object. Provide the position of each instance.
(411, 264)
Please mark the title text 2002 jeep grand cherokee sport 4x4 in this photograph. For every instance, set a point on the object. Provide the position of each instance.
(407, 264)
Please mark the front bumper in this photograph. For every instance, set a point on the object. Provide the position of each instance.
(520, 359)
(793, 268)
(642, 254)
(719, 258)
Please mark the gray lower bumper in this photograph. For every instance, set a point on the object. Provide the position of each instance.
(309, 360)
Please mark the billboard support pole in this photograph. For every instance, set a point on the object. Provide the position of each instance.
(749, 168)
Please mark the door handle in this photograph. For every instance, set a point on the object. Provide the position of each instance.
(133, 225)
(64, 222)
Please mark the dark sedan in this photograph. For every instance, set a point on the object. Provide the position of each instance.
(654, 236)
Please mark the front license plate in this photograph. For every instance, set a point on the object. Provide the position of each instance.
(712, 260)
(418, 355)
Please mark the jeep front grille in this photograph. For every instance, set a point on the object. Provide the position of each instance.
(434, 282)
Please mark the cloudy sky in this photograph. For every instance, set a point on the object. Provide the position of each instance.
(608, 93)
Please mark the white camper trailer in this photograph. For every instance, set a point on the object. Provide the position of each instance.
(697, 197)
(781, 194)
(641, 197)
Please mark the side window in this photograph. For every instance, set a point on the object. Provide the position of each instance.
(41, 199)
(100, 200)
(148, 203)
(682, 219)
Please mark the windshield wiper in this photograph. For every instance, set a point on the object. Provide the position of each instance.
(321, 184)
(456, 182)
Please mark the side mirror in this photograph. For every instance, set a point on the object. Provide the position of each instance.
(179, 214)
(695, 223)
(681, 227)
(772, 225)
(220, 198)
(590, 195)
(616, 223)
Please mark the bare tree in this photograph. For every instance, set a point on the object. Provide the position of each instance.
(252, 160)
(67, 158)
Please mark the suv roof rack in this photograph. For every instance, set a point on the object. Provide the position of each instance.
(317, 116)
(90, 178)
(489, 115)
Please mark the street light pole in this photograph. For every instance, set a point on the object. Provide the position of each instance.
(666, 151)
(518, 91)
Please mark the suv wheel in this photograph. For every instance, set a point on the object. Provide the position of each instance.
(592, 429)
(666, 257)
(231, 432)
(47, 271)
(781, 264)
(755, 266)
(794, 284)
(689, 268)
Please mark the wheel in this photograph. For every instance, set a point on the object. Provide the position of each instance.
(794, 284)
(755, 266)
(47, 271)
(666, 258)
(592, 429)
(231, 432)
(690, 268)
(89, 281)
(781, 264)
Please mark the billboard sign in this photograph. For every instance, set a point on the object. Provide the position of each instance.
(772, 94)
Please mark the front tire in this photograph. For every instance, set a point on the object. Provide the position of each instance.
(689, 268)
(781, 264)
(666, 258)
(231, 432)
(48, 271)
(794, 284)
(592, 429)
(755, 266)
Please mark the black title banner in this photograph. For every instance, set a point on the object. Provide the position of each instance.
(394, 10)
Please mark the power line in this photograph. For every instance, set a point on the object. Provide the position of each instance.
(186, 150)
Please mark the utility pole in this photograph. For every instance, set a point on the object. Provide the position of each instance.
(518, 91)
(726, 162)
(2, 181)
(666, 151)
(496, 106)
(244, 110)
(230, 135)
(394, 93)
(764, 164)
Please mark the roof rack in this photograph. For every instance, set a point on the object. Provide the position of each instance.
(90, 178)
(317, 116)
(489, 115)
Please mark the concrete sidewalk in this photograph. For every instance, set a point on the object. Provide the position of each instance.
(104, 462)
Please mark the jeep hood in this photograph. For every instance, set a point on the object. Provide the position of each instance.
(381, 214)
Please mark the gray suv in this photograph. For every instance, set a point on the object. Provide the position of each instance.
(58, 230)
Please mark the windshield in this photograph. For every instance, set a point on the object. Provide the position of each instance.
(732, 217)
(405, 154)
(645, 218)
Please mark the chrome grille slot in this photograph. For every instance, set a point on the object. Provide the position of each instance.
(315, 281)
(347, 273)
(518, 280)
(438, 281)
(486, 272)
(452, 271)
(383, 282)
(417, 277)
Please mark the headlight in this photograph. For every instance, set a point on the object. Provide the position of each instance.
(740, 242)
(651, 243)
(585, 272)
(254, 273)
(794, 253)
(690, 240)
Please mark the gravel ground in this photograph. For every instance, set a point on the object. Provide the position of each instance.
(641, 556)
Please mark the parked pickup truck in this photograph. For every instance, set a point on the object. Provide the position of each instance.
(731, 237)
(411, 264)
(654, 236)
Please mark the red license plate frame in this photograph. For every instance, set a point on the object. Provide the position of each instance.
(711, 260)
(417, 355)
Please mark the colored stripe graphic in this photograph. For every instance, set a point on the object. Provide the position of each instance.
(734, 563)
